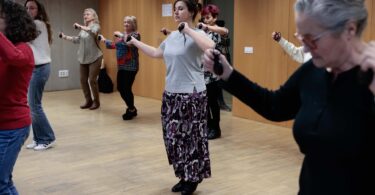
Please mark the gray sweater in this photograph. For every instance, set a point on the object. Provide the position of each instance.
(88, 51)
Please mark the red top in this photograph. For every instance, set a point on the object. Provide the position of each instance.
(16, 66)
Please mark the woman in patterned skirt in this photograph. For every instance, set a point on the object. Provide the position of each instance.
(184, 112)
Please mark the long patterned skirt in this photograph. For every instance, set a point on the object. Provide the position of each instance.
(184, 121)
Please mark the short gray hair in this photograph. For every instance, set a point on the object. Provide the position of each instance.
(334, 14)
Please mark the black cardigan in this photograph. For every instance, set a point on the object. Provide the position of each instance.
(334, 125)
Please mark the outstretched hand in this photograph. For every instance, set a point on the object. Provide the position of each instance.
(77, 26)
(276, 36)
(202, 26)
(208, 61)
(101, 38)
(118, 34)
(182, 27)
(61, 35)
(165, 31)
(129, 39)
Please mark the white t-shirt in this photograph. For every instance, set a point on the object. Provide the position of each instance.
(40, 46)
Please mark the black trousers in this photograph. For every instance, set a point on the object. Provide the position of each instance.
(125, 80)
(213, 91)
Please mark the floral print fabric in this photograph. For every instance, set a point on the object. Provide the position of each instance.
(184, 122)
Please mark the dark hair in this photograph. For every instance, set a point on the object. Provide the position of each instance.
(42, 16)
(192, 5)
(211, 9)
(20, 27)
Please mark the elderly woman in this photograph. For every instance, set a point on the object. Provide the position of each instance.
(16, 67)
(331, 97)
(89, 56)
(127, 62)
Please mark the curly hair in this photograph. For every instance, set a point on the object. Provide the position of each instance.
(210, 8)
(20, 27)
(42, 16)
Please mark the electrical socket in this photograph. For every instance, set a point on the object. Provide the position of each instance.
(63, 73)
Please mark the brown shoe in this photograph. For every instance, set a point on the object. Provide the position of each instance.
(88, 104)
(95, 105)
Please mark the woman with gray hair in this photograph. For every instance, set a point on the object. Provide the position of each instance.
(127, 61)
(331, 97)
(89, 56)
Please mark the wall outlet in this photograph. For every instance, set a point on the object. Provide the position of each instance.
(63, 73)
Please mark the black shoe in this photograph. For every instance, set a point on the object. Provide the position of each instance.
(214, 133)
(189, 188)
(178, 187)
(225, 107)
(129, 114)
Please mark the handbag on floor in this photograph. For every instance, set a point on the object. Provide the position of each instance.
(104, 82)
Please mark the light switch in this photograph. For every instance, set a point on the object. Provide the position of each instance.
(248, 50)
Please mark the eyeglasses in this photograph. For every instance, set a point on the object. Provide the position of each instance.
(309, 40)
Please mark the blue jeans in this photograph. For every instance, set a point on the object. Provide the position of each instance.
(42, 131)
(11, 142)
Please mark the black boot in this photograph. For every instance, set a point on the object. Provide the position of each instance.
(178, 187)
(87, 104)
(224, 106)
(189, 188)
(214, 133)
(129, 114)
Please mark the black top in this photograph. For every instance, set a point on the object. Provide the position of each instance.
(334, 125)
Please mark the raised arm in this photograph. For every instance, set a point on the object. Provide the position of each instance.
(203, 41)
(74, 39)
(147, 49)
(295, 52)
(92, 29)
(279, 105)
(222, 31)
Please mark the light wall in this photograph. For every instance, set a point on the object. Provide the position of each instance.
(63, 14)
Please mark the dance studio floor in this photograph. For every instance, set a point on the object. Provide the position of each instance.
(97, 153)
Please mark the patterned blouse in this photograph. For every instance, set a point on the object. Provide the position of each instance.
(208, 76)
(127, 55)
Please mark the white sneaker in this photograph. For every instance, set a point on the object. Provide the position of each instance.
(31, 145)
(43, 146)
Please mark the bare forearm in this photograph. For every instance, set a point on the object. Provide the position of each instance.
(66, 37)
(147, 49)
(220, 30)
(73, 39)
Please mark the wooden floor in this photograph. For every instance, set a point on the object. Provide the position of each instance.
(98, 153)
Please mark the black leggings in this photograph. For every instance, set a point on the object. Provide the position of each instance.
(213, 92)
(125, 80)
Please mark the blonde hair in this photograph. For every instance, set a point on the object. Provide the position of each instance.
(96, 17)
(133, 21)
